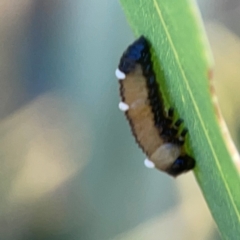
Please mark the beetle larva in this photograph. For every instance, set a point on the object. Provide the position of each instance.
(153, 128)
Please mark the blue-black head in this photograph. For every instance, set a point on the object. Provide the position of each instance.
(137, 52)
(182, 164)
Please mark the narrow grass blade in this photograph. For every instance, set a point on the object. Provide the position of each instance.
(183, 63)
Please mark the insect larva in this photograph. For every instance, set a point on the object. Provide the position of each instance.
(153, 128)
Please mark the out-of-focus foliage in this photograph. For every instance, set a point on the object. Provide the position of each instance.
(69, 166)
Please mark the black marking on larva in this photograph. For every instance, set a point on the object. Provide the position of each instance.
(139, 53)
(121, 92)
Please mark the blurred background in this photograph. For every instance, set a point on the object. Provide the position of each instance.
(70, 168)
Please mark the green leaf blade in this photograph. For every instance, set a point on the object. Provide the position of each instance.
(180, 48)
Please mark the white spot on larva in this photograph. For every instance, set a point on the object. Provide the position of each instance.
(120, 75)
(149, 164)
(123, 106)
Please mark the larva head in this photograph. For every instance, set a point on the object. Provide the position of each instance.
(182, 164)
(134, 54)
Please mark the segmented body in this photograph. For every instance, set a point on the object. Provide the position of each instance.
(152, 127)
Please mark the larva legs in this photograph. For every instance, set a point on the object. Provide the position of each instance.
(178, 123)
(170, 113)
(171, 130)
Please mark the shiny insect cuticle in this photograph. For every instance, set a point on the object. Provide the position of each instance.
(154, 130)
